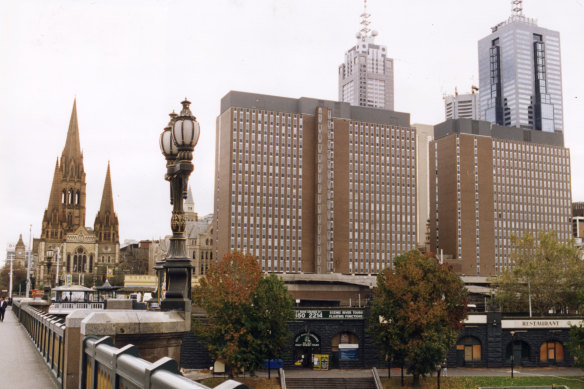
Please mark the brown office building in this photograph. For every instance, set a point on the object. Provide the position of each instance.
(488, 182)
(314, 186)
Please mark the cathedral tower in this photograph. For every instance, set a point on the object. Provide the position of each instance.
(106, 221)
(20, 253)
(189, 204)
(106, 225)
(66, 210)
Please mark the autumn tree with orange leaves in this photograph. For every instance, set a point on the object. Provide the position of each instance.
(247, 313)
(417, 313)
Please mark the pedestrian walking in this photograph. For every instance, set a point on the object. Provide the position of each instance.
(3, 305)
(444, 369)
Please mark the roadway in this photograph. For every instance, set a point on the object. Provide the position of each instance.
(21, 364)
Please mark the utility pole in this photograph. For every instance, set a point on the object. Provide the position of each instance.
(10, 290)
(28, 262)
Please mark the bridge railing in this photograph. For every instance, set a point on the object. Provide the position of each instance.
(48, 335)
(70, 306)
(105, 366)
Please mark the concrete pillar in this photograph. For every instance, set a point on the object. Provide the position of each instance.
(73, 348)
(41, 305)
(495, 356)
(155, 334)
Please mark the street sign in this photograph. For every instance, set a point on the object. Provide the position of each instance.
(37, 293)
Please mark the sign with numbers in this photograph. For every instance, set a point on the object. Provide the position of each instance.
(330, 314)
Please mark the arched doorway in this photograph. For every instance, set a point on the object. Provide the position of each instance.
(551, 352)
(519, 350)
(468, 351)
(344, 347)
(305, 345)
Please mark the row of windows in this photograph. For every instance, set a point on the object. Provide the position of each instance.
(264, 116)
(534, 149)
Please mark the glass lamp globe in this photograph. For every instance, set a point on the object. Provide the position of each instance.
(186, 131)
(167, 145)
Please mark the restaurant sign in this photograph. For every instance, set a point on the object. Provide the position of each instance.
(342, 314)
(539, 323)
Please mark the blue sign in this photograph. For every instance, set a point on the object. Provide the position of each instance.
(348, 352)
(274, 363)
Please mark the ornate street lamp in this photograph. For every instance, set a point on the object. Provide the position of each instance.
(177, 142)
(49, 264)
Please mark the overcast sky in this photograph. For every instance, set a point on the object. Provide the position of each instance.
(131, 62)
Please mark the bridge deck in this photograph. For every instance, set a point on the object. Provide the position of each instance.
(21, 364)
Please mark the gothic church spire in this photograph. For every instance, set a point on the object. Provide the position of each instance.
(107, 198)
(72, 147)
(66, 209)
(106, 225)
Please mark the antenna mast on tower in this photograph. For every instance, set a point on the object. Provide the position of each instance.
(365, 22)
(517, 7)
(365, 31)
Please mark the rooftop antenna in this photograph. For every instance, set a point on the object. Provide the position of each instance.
(517, 7)
(365, 31)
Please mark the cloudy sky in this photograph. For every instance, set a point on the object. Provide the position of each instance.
(130, 63)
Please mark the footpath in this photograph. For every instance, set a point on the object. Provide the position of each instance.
(21, 364)
(451, 372)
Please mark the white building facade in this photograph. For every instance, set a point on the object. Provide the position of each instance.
(366, 76)
(464, 106)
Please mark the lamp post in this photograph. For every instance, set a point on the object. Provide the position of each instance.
(177, 142)
(512, 352)
(10, 290)
(28, 263)
(159, 268)
(48, 264)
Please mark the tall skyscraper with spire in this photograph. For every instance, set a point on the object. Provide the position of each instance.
(366, 76)
(81, 249)
(520, 75)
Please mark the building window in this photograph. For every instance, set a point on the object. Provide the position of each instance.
(468, 349)
(551, 351)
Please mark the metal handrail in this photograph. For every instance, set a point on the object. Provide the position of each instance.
(104, 365)
(282, 378)
(47, 332)
(376, 378)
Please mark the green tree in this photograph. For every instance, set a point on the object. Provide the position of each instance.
(576, 345)
(271, 308)
(18, 277)
(417, 312)
(246, 314)
(548, 272)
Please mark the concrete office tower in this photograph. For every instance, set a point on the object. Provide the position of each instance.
(488, 182)
(366, 76)
(465, 106)
(520, 75)
(424, 135)
(314, 186)
(578, 222)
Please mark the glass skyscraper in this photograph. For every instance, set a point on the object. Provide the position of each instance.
(520, 76)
